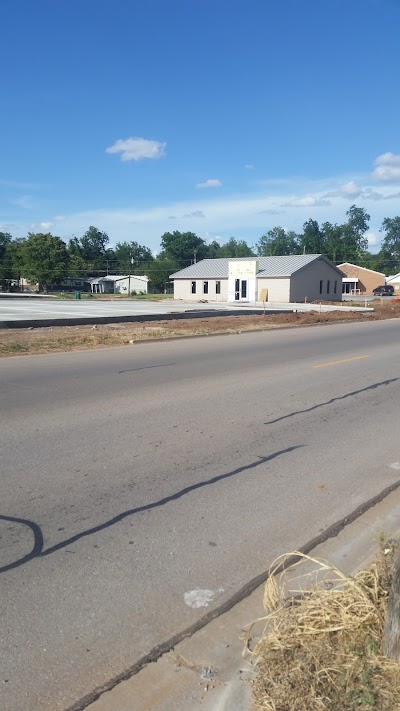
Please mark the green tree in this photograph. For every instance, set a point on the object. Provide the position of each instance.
(391, 244)
(158, 272)
(14, 259)
(311, 241)
(5, 267)
(354, 241)
(182, 248)
(213, 250)
(93, 249)
(277, 242)
(45, 259)
(333, 242)
(131, 255)
(77, 266)
(370, 261)
(235, 248)
(94, 245)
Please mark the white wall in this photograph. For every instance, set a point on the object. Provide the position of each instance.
(183, 290)
(395, 283)
(305, 283)
(278, 289)
(122, 285)
(245, 270)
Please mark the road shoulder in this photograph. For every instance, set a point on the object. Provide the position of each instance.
(207, 670)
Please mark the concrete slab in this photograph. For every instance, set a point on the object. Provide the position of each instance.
(25, 313)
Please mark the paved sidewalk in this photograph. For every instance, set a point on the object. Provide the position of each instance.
(207, 671)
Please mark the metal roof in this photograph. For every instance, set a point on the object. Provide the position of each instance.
(116, 277)
(357, 266)
(267, 266)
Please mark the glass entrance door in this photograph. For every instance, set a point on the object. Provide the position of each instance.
(240, 289)
(237, 289)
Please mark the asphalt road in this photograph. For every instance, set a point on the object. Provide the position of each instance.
(141, 476)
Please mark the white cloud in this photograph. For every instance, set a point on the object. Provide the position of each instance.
(195, 213)
(373, 238)
(137, 149)
(370, 194)
(348, 190)
(8, 226)
(210, 183)
(351, 191)
(246, 215)
(59, 218)
(25, 201)
(307, 201)
(387, 168)
(249, 166)
(40, 226)
(19, 185)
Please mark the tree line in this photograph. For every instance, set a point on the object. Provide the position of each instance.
(48, 260)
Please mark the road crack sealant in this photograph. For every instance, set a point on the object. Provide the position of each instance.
(165, 647)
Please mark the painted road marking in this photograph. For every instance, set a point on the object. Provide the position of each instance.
(337, 362)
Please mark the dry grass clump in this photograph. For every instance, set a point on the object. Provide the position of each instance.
(321, 648)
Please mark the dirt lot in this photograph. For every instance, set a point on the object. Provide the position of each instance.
(66, 338)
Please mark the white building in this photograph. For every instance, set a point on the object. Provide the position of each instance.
(294, 278)
(394, 281)
(124, 284)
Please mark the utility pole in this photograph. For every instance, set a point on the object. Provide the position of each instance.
(131, 261)
(195, 258)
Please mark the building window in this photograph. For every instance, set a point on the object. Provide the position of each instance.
(335, 287)
(205, 287)
(321, 284)
(328, 286)
(193, 287)
(217, 287)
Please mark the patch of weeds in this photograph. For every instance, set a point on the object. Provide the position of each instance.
(15, 347)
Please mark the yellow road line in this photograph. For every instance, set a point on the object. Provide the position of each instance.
(337, 362)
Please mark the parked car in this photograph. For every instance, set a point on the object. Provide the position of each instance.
(384, 290)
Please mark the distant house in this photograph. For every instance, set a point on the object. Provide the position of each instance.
(394, 281)
(76, 283)
(121, 284)
(294, 278)
(359, 280)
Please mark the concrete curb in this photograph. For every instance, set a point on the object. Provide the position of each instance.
(175, 680)
(139, 318)
(26, 296)
(239, 333)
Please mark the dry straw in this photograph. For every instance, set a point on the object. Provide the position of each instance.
(320, 645)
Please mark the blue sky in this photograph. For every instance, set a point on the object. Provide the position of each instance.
(223, 117)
